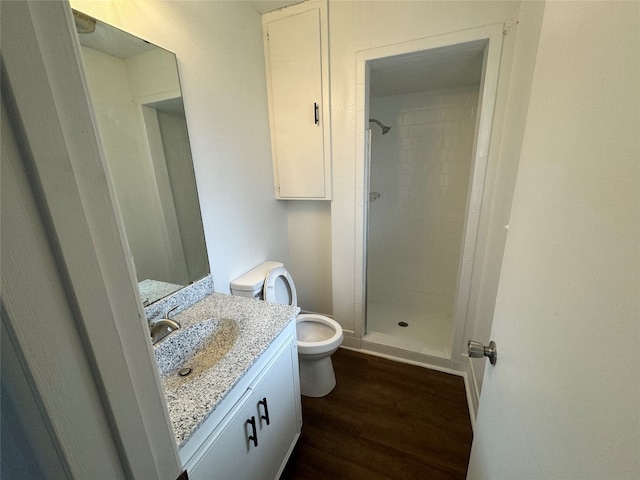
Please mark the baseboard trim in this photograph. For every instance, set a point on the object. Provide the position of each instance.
(349, 341)
(472, 395)
(474, 391)
(433, 363)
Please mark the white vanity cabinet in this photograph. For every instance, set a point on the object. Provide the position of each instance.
(253, 437)
(296, 53)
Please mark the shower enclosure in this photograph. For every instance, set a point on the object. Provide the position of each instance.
(419, 183)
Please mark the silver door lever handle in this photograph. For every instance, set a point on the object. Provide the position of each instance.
(478, 350)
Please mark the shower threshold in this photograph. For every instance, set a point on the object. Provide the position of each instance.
(415, 346)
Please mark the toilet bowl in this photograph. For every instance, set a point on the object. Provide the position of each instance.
(318, 336)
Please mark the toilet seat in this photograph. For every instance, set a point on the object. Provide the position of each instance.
(279, 287)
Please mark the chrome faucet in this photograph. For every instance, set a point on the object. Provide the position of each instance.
(163, 327)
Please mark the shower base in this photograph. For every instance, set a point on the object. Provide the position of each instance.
(426, 333)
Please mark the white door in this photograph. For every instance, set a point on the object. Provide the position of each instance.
(563, 400)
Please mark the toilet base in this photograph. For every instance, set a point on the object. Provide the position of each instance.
(317, 378)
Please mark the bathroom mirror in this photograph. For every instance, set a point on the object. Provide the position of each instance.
(135, 91)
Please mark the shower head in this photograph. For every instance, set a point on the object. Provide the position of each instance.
(385, 129)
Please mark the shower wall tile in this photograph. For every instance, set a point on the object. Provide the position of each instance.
(421, 169)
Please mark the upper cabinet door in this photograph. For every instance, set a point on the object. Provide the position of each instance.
(296, 55)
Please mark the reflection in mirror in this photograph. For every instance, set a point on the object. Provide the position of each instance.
(136, 95)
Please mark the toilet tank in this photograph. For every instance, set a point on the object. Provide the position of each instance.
(250, 284)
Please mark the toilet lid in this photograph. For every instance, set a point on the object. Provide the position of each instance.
(279, 287)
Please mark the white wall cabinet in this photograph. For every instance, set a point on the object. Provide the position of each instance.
(296, 53)
(257, 434)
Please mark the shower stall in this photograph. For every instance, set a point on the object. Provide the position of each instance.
(420, 164)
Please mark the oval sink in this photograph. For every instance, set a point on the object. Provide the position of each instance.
(198, 348)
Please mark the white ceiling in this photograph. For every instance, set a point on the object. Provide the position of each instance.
(446, 67)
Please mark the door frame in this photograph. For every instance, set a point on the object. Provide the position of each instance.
(467, 271)
(43, 80)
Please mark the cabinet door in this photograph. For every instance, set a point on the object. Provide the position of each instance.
(297, 105)
(277, 390)
(230, 454)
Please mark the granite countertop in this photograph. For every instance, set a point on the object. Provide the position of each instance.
(255, 323)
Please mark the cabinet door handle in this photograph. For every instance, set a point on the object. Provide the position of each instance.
(263, 402)
(316, 113)
(253, 437)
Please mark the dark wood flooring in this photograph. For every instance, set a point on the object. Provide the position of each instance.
(385, 420)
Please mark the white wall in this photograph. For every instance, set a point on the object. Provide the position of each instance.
(219, 49)
(175, 140)
(153, 73)
(124, 140)
(309, 224)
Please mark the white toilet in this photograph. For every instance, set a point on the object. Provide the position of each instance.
(318, 336)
